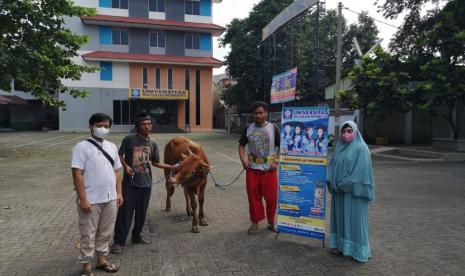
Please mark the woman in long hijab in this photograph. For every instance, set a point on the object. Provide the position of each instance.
(352, 187)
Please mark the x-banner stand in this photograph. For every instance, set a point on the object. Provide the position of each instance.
(279, 165)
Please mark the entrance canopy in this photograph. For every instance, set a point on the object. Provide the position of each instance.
(11, 99)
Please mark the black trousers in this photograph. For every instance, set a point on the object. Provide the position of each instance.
(136, 201)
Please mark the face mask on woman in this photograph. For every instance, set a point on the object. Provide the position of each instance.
(100, 132)
(348, 136)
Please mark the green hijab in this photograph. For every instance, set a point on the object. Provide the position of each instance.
(350, 168)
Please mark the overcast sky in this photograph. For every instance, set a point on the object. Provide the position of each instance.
(224, 12)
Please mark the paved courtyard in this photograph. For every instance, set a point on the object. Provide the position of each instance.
(417, 223)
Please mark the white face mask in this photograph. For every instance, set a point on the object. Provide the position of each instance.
(100, 132)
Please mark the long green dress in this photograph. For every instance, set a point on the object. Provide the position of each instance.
(351, 185)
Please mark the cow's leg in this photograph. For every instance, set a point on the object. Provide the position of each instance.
(188, 204)
(169, 190)
(202, 220)
(169, 193)
(195, 218)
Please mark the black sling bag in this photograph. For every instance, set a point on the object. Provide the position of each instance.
(102, 151)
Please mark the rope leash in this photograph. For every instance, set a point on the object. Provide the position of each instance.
(217, 185)
(163, 178)
(222, 186)
(158, 180)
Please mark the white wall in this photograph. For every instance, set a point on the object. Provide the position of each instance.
(87, 3)
(157, 15)
(198, 19)
(120, 76)
(78, 110)
(342, 119)
(113, 12)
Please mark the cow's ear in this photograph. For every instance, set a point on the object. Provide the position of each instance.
(183, 156)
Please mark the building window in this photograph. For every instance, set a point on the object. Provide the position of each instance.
(157, 78)
(17, 86)
(157, 5)
(106, 71)
(124, 112)
(192, 7)
(170, 78)
(157, 39)
(197, 97)
(187, 85)
(105, 35)
(145, 76)
(192, 41)
(119, 4)
(119, 37)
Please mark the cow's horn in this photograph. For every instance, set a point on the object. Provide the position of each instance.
(189, 150)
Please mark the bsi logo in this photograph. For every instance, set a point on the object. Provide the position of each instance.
(287, 114)
(135, 93)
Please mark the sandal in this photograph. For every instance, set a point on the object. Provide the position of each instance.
(336, 252)
(108, 267)
(253, 229)
(87, 272)
(271, 228)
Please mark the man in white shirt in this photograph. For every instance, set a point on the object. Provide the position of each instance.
(96, 173)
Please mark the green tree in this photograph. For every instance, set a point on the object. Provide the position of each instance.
(36, 49)
(366, 33)
(380, 87)
(439, 53)
(244, 62)
(413, 10)
(432, 51)
(293, 46)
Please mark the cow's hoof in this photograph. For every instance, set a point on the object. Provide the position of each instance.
(203, 222)
(195, 229)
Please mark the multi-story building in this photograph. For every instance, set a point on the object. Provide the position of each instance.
(153, 56)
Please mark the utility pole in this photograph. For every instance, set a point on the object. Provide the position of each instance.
(318, 26)
(338, 72)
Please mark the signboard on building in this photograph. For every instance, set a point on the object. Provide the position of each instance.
(158, 94)
(302, 171)
(283, 87)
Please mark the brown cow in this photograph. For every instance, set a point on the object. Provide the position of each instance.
(191, 175)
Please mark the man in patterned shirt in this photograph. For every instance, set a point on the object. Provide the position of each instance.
(261, 161)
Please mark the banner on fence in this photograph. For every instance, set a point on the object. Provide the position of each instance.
(302, 171)
(283, 87)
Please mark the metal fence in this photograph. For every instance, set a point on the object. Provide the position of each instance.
(235, 123)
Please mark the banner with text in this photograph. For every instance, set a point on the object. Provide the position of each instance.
(302, 171)
(283, 87)
(158, 94)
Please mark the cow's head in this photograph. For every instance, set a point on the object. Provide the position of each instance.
(191, 170)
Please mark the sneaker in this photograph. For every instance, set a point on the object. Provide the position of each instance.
(116, 249)
(142, 240)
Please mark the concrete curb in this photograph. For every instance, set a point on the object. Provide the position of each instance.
(417, 155)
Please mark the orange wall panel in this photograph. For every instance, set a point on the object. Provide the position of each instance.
(181, 114)
(206, 90)
(206, 103)
(135, 76)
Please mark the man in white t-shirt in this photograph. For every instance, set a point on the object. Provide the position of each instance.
(96, 173)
